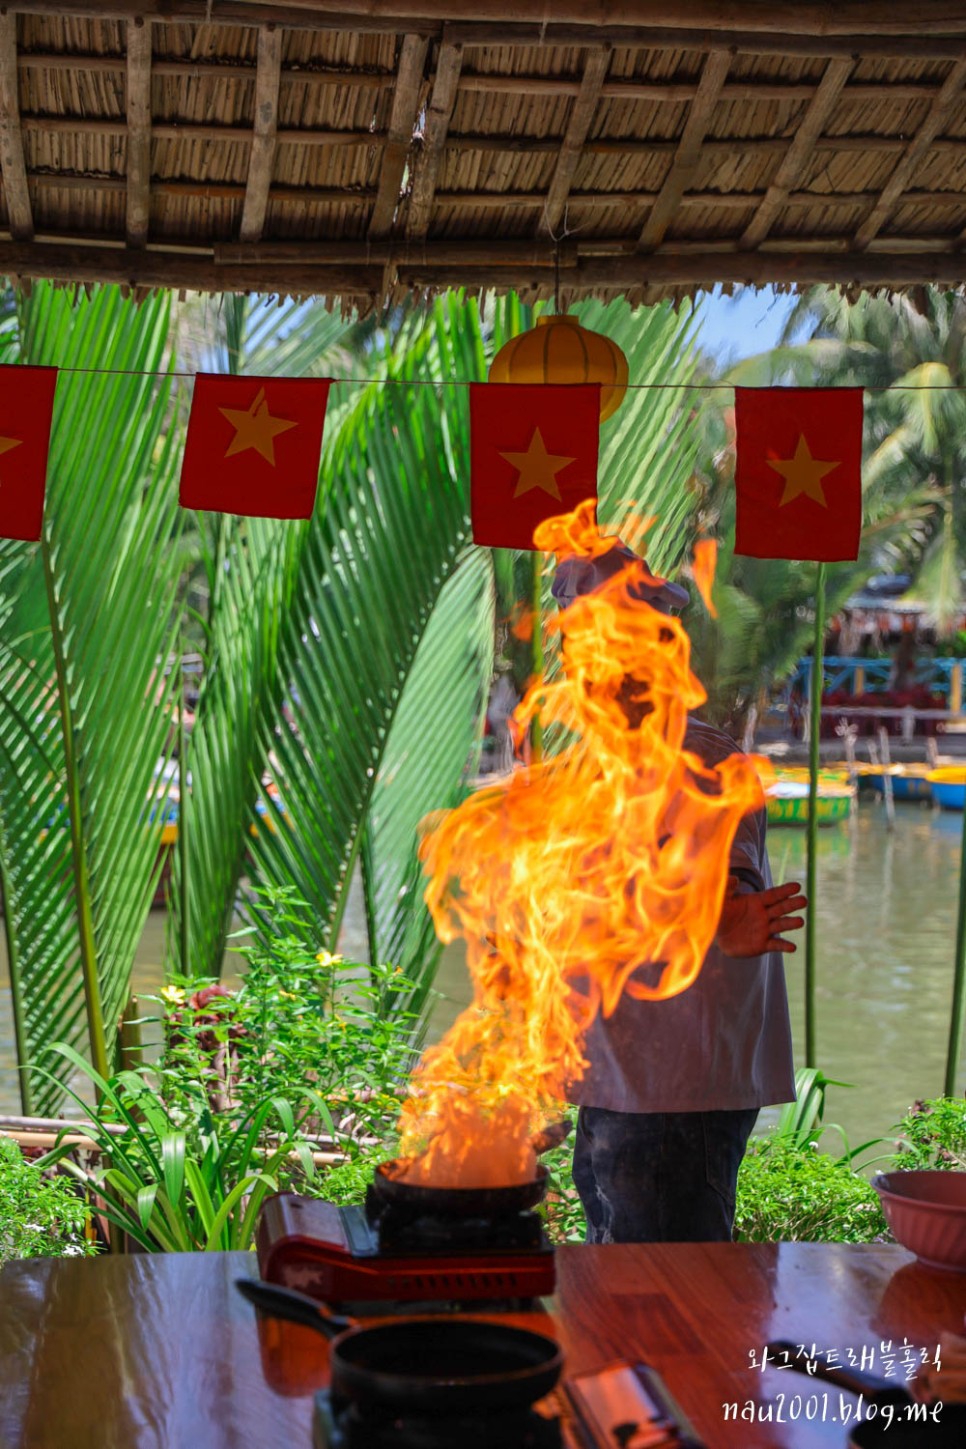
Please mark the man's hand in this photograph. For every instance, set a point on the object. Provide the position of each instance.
(754, 923)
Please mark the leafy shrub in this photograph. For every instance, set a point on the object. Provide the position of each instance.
(40, 1216)
(177, 1182)
(794, 1193)
(933, 1135)
(302, 1024)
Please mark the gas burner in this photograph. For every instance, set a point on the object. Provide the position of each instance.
(411, 1244)
(343, 1426)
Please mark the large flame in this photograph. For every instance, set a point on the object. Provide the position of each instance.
(599, 871)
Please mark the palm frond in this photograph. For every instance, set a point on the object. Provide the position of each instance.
(97, 697)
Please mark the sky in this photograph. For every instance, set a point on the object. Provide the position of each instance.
(742, 325)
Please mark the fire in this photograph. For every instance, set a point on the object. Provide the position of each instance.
(600, 870)
(702, 571)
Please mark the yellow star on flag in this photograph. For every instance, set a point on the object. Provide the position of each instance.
(537, 468)
(802, 474)
(7, 443)
(255, 428)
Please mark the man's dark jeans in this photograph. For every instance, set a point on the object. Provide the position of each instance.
(659, 1177)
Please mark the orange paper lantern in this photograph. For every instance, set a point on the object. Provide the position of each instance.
(559, 350)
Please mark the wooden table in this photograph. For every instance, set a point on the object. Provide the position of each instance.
(161, 1352)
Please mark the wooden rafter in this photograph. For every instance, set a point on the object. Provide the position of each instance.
(947, 98)
(685, 160)
(438, 114)
(12, 165)
(578, 129)
(267, 79)
(399, 139)
(138, 131)
(800, 150)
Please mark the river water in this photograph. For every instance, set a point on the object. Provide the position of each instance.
(886, 935)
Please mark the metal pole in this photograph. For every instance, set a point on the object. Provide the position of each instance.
(959, 979)
(814, 743)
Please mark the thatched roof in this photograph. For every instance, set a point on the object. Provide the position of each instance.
(358, 149)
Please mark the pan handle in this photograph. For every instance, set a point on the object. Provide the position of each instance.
(857, 1381)
(279, 1302)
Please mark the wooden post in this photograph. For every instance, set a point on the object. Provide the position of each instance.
(956, 689)
(887, 791)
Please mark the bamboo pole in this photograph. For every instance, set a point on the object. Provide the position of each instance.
(536, 728)
(814, 756)
(959, 979)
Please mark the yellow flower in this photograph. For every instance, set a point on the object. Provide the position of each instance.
(173, 995)
(326, 958)
(287, 995)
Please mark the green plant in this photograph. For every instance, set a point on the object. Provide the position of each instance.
(85, 617)
(563, 1211)
(303, 1025)
(793, 1193)
(178, 1178)
(40, 1216)
(933, 1135)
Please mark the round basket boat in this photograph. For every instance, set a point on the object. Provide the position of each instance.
(787, 804)
(909, 782)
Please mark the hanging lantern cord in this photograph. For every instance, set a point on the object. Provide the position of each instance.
(556, 275)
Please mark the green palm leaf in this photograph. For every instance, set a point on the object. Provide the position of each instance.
(86, 724)
(251, 569)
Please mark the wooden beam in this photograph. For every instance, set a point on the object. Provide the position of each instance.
(924, 44)
(807, 17)
(399, 140)
(946, 100)
(262, 156)
(138, 131)
(703, 269)
(12, 164)
(187, 69)
(685, 160)
(143, 267)
(800, 150)
(820, 261)
(438, 114)
(578, 129)
(465, 141)
(682, 92)
(469, 251)
(630, 89)
(766, 29)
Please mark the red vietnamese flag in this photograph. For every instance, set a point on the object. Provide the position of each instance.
(26, 408)
(798, 472)
(533, 454)
(253, 445)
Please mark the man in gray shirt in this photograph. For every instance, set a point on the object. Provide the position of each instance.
(673, 1087)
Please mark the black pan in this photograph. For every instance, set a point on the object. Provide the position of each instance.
(437, 1365)
(390, 1189)
(889, 1403)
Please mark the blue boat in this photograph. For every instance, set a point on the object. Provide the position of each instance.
(949, 787)
(909, 782)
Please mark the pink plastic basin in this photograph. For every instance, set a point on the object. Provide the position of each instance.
(926, 1211)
